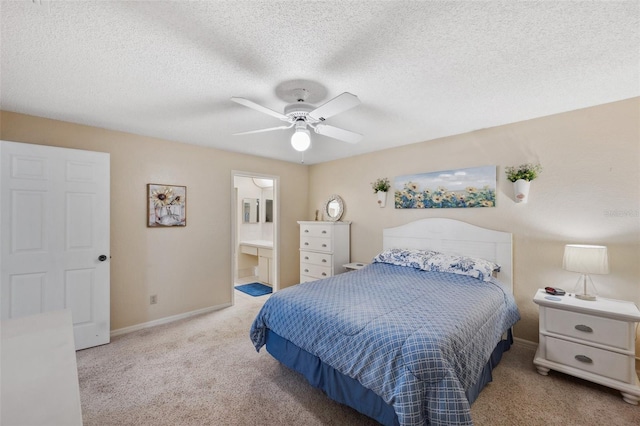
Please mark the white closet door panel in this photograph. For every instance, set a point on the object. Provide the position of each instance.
(26, 294)
(79, 229)
(28, 221)
(56, 224)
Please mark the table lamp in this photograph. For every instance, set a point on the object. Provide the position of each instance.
(586, 260)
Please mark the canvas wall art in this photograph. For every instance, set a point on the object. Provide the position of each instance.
(458, 188)
(166, 205)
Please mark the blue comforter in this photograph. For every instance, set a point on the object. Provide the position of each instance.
(418, 339)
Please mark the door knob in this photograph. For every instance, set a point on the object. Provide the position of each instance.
(102, 258)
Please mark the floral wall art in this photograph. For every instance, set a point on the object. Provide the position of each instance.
(458, 188)
(166, 205)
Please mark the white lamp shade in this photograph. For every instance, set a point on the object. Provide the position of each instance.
(300, 141)
(586, 259)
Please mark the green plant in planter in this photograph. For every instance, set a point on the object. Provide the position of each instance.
(526, 172)
(381, 184)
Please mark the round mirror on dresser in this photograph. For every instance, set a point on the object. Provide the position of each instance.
(333, 208)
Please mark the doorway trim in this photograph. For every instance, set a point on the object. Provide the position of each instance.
(234, 226)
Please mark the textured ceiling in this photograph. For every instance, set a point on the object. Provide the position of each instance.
(422, 70)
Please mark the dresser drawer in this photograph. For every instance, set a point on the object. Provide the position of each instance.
(598, 361)
(315, 243)
(253, 251)
(322, 259)
(604, 331)
(307, 278)
(316, 271)
(263, 252)
(319, 230)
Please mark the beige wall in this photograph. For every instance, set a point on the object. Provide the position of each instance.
(588, 192)
(188, 268)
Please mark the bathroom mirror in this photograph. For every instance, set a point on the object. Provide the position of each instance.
(268, 210)
(250, 210)
(333, 208)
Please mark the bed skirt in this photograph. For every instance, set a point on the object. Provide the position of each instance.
(349, 391)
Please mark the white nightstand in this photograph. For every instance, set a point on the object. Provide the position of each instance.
(354, 265)
(593, 340)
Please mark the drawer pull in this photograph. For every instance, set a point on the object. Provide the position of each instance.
(324, 260)
(306, 230)
(324, 245)
(584, 358)
(324, 274)
(585, 328)
(306, 270)
(306, 244)
(306, 258)
(324, 232)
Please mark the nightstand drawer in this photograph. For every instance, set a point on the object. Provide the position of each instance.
(604, 331)
(598, 361)
(322, 259)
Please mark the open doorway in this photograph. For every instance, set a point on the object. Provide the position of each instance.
(254, 222)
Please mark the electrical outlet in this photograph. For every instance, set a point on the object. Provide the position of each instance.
(153, 299)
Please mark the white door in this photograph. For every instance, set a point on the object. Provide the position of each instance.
(54, 233)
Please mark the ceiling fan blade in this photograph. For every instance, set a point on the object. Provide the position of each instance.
(263, 130)
(335, 106)
(337, 133)
(253, 105)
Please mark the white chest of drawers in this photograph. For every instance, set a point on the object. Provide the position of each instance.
(324, 248)
(593, 340)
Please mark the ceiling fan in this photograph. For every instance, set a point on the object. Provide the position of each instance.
(303, 116)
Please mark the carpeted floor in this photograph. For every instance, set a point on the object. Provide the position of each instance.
(205, 371)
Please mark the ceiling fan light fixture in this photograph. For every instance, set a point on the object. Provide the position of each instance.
(301, 139)
(304, 116)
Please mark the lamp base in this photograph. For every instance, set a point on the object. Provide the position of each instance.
(581, 290)
(586, 297)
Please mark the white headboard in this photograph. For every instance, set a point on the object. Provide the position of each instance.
(453, 236)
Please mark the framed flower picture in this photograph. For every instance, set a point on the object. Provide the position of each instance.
(166, 205)
(458, 188)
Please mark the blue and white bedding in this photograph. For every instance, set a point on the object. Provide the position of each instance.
(417, 338)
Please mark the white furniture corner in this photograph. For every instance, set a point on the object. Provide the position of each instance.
(324, 249)
(354, 266)
(592, 340)
(39, 384)
(263, 249)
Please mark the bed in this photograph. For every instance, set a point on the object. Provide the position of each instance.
(409, 339)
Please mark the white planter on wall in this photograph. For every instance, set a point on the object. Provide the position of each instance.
(521, 190)
(382, 198)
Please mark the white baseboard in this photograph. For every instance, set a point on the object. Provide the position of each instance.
(167, 320)
(528, 344)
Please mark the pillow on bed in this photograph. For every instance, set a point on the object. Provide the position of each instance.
(456, 264)
(413, 258)
(429, 260)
